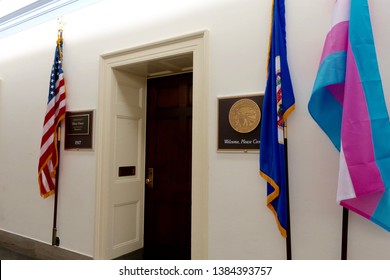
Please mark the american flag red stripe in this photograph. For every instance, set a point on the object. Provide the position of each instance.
(55, 113)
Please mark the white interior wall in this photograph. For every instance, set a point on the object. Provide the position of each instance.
(240, 225)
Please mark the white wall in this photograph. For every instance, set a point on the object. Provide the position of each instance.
(240, 225)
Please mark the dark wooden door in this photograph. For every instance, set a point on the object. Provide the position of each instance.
(168, 167)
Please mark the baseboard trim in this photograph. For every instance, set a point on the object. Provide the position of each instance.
(36, 249)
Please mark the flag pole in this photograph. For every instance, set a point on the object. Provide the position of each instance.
(288, 229)
(55, 241)
(344, 238)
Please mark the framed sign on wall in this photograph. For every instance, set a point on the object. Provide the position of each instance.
(239, 119)
(79, 130)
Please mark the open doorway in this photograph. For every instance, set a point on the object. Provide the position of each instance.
(168, 168)
(122, 120)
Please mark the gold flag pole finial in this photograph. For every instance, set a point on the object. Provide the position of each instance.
(61, 24)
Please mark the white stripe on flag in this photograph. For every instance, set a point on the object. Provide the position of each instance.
(44, 181)
(47, 144)
(345, 188)
(48, 124)
(61, 105)
(341, 12)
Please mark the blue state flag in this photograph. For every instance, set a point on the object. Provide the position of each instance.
(278, 103)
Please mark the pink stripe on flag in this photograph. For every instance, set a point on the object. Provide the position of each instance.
(357, 136)
(337, 90)
(336, 40)
(364, 205)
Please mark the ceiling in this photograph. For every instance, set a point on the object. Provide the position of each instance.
(17, 15)
(161, 67)
(9, 6)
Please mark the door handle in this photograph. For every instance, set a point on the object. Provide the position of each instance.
(149, 180)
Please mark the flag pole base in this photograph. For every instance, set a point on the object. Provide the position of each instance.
(55, 241)
(344, 238)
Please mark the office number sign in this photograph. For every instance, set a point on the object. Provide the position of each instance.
(78, 130)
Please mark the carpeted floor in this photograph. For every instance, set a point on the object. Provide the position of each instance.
(136, 255)
(6, 254)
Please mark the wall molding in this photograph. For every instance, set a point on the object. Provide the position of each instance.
(38, 12)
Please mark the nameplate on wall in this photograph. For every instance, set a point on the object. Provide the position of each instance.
(79, 130)
(239, 120)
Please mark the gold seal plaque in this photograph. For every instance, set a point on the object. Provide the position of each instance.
(244, 115)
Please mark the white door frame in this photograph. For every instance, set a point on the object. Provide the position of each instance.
(195, 43)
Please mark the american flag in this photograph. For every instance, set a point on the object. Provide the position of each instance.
(55, 112)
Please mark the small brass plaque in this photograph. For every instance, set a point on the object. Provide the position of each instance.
(78, 130)
(78, 124)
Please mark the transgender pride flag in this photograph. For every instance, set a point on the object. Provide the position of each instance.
(348, 103)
